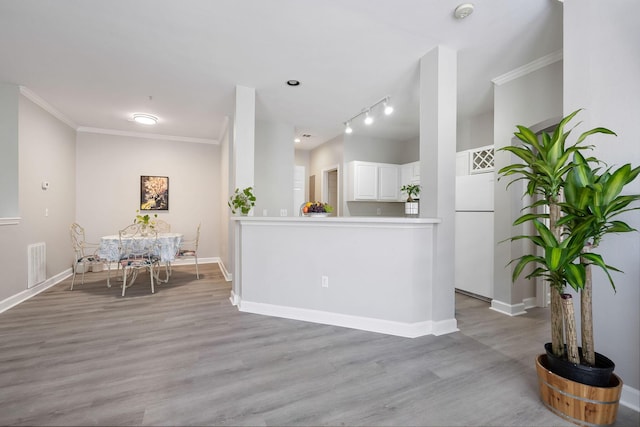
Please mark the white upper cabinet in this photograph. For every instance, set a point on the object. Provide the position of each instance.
(368, 181)
(388, 187)
(363, 179)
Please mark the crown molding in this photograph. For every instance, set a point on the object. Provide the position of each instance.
(528, 68)
(87, 129)
(29, 94)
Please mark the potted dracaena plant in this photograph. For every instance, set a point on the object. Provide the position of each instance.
(581, 203)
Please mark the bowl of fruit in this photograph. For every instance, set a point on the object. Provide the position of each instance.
(316, 209)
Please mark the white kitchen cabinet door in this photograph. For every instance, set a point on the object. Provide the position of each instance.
(363, 179)
(388, 188)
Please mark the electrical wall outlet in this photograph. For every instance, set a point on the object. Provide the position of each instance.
(325, 281)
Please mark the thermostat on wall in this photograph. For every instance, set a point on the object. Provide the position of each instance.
(45, 185)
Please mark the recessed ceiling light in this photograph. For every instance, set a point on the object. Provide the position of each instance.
(293, 82)
(463, 10)
(145, 119)
(296, 140)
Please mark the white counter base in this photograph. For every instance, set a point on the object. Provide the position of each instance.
(379, 272)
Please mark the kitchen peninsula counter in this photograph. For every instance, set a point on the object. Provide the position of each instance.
(369, 273)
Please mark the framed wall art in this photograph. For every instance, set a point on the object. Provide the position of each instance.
(154, 193)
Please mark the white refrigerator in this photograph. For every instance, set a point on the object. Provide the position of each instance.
(474, 234)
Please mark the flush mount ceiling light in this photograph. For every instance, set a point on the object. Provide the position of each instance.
(293, 82)
(296, 140)
(463, 10)
(145, 119)
(368, 113)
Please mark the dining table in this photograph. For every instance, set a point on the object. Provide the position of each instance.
(166, 249)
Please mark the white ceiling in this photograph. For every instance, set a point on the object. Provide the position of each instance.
(97, 62)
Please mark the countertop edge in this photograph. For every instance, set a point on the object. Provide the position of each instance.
(348, 219)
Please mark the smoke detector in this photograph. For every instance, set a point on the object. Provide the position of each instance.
(463, 10)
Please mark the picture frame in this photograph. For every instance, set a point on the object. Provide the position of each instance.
(154, 193)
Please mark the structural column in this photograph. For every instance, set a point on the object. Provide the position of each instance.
(242, 164)
(438, 111)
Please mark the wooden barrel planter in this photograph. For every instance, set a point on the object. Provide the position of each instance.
(581, 404)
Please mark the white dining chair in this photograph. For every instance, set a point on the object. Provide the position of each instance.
(85, 253)
(189, 249)
(138, 252)
(162, 226)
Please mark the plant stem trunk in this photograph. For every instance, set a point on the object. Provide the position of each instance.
(570, 324)
(557, 338)
(586, 315)
(557, 327)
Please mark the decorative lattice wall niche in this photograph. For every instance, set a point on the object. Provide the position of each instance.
(481, 160)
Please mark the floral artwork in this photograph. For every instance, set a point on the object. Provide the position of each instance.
(154, 193)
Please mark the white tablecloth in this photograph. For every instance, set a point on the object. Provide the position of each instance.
(168, 243)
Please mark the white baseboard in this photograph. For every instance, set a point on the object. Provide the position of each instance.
(192, 261)
(401, 329)
(227, 275)
(530, 303)
(508, 309)
(630, 398)
(443, 327)
(16, 299)
(234, 298)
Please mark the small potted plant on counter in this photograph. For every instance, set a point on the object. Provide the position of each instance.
(242, 201)
(411, 206)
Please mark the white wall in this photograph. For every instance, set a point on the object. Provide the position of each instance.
(273, 168)
(528, 100)
(9, 95)
(408, 151)
(601, 67)
(303, 158)
(475, 132)
(108, 170)
(46, 151)
(381, 150)
(226, 228)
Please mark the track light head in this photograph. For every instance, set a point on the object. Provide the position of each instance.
(347, 128)
(388, 108)
(368, 119)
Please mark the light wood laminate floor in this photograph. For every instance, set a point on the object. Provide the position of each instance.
(185, 356)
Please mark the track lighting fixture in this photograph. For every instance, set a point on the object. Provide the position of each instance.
(369, 113)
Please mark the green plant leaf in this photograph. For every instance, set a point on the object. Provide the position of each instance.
(576, 276)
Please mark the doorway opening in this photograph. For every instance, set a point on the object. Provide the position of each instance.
(331, 189)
